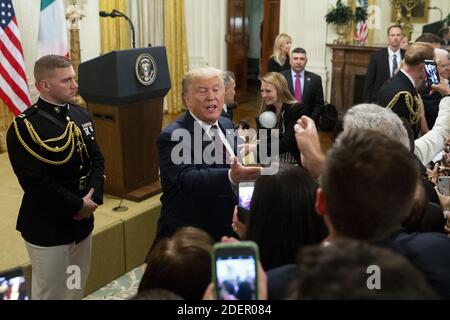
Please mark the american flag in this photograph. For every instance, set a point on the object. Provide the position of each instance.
(13, 81)
(362, 28)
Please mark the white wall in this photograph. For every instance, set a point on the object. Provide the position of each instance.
(27, 12)
(206, 29)
(90, 32)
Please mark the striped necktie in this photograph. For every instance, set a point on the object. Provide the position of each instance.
(394, 64)
(222, 155)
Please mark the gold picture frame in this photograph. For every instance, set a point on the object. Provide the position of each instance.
(419, 13)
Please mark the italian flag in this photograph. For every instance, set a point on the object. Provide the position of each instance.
(52, 37)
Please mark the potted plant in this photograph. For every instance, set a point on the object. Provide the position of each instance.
(360, 14)
(340, 16)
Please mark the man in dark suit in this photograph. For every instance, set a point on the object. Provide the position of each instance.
(197, 183)
(305, 86)
(400, 94)
(383, 64)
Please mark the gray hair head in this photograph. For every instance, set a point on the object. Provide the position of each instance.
(440, 55)
(374, 117)
(228, 76)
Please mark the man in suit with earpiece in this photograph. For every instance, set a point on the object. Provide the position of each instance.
(383, 64)
(305, 86)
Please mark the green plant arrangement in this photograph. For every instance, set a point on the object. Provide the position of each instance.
(339, 15)
(360, 15)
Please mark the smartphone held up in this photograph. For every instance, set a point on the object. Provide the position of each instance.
(245, 193)
(235, 270)
(431, 73)
(443, 184)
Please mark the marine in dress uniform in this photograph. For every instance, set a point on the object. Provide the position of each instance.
(59, 165)
(57, 160)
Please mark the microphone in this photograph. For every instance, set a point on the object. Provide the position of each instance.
(114, 14)
(111, 14)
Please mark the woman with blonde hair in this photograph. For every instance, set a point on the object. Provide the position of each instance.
(277, 98)
(279, 60)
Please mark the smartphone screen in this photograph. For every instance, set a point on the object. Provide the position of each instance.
(235, 271)
(245, 192)
(432, 75)
(444, 185)
(13, 285)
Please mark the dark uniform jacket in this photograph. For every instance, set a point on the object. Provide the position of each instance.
(53, 193)
(431, 103)
(400, 82)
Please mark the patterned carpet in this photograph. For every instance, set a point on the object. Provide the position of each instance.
(123, 288)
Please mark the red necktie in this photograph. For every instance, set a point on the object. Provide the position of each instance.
(298, 88)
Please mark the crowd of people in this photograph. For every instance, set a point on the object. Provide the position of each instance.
(322, 222)
(372, 200)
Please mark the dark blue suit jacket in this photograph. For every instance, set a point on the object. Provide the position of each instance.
(312, 95)
(194, 193)
(378, 72)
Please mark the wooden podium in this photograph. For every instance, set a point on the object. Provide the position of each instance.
(124, 91)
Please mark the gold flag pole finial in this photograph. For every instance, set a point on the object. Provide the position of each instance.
(74, 15)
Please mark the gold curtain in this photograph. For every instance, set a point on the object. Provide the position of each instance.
(114, 33)
(351, 31)
(6, 117)
(371, 30)
(177, 53)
